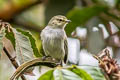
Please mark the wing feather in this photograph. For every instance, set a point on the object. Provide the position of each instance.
(66, 50)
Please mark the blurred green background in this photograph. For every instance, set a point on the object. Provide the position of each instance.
(95, 24)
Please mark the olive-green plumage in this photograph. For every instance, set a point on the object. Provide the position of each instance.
(54, 39)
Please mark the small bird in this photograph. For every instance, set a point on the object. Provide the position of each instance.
(54, 39)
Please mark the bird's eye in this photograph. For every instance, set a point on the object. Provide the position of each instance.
(60, 20)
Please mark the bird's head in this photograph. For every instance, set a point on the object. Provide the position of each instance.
(58, 21)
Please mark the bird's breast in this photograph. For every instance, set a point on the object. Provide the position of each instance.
(53, 43)
(54, 39)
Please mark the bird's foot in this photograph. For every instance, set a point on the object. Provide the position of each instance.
(46, 58)
(59, 63)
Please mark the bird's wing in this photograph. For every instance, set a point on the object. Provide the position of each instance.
(41, 49)
(66, 50)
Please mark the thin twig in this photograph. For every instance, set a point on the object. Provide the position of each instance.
(13, 61)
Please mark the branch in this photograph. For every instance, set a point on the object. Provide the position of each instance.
(38, 61)
(13, 61)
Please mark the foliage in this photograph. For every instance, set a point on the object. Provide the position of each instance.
(73, 73)
(25, 48)
(33, 14)
(80, 16)
(23, 42)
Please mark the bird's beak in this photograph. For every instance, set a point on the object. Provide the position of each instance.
(68, 21)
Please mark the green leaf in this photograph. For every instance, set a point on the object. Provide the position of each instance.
(47, 76)
(80, 16)
(95, 72)
(10, 36)
(74, 73)
(24, 51)
(64, 74)
(80, 72)
(32, 41)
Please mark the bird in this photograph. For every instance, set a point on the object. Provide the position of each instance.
(54, 39)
